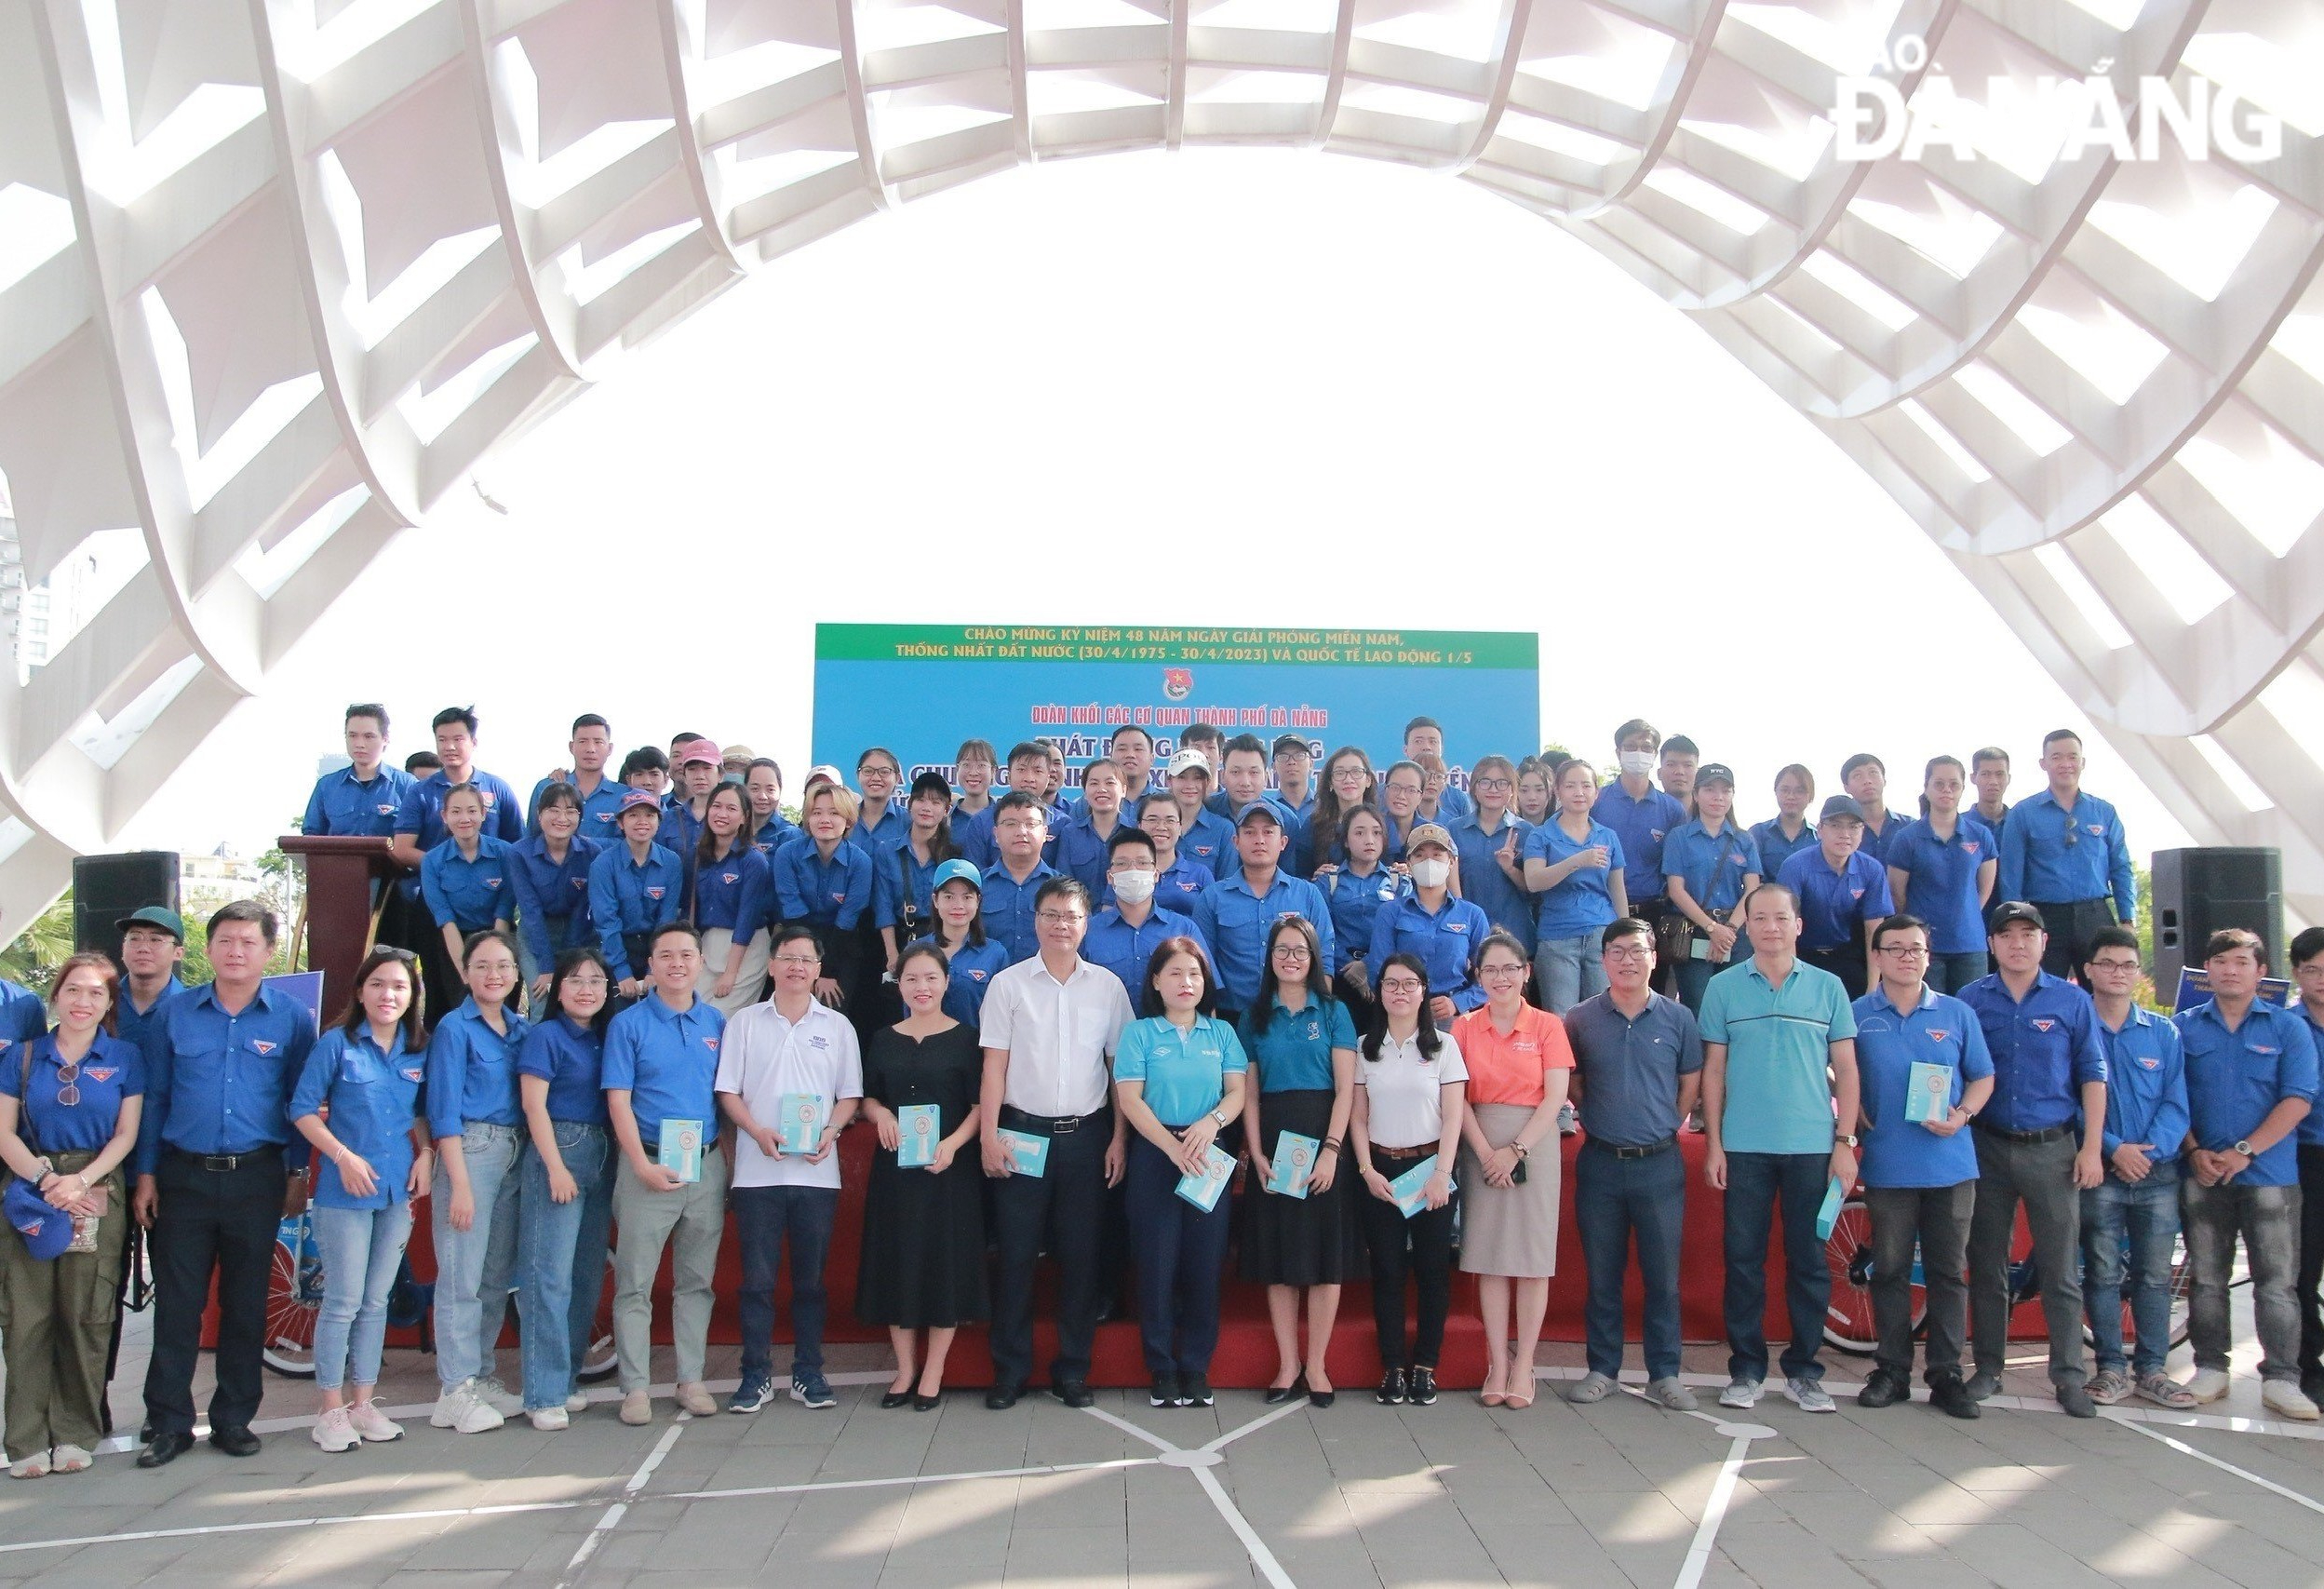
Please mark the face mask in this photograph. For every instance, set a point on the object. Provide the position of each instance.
(1432, 874)
(1134, 887)
(1637, 763)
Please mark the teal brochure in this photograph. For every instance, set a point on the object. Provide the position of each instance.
(798, 1122)
(1412, 1187)
(681, 1149)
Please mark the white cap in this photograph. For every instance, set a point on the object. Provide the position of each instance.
(1189, 761)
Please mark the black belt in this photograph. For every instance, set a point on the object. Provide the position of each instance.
(219, 1164)
(1648, 1151)
(2047, 1133)
(1052, 1124)
(653, 1150)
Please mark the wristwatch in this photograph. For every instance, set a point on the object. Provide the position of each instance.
(2248, 1150)
(1218, 1118)
(1845, 1141)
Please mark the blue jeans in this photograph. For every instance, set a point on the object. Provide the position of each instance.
(1951, 973)
(361, 1250)
(474, 1267)
(1613, 1200)
(1755, 1182)
(1181, 1256)
(1570, 970)
(2146, 1216)
(764, 1216)
(564, 1256)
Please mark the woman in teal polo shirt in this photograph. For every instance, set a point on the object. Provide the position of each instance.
(1302, 1042)
(1178, 1080)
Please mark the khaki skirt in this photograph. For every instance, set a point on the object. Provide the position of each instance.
(1509, 1230)
(750, 981)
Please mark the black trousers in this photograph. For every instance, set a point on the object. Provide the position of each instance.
(1420, 1246)
(2071, 926)
(1936, 1218)
(221, 1221)
(2311, 1274)
(1845, 962)
(1066, 1205)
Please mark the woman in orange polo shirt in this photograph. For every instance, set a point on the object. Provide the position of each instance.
(1519, 1064)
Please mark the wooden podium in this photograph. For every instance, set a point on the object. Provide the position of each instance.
(344, 877)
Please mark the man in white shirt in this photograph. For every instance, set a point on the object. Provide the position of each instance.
(1050, 1026)
(791, 1056)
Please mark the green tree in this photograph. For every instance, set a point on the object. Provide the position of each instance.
(33, 959)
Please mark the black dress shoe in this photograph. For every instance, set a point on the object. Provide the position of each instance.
(1277, 1394)
(927, 1403)
(235, 1442)
(895, 1399)
(1948, 1395)
(165, 1447)
(1000, 1398)
(1074, 1393)
(1322, 1398)
(1884, 1388)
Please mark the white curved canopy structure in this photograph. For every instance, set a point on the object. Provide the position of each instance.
(275, 275)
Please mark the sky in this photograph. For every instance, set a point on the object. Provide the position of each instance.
(1221, 386)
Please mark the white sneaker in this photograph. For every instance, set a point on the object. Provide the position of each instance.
(463, 1411)
(549, 1420)
(1742, 1393)
(333, 1433)
(2210, 1384)
(372, 1425)
(2285, 1399)
(71, 1459)
(1809, 1395)
(492, 1393)
(576, 1402)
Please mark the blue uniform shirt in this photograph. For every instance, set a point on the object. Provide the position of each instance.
(470, 895)
(601, 810)
(668, 1060)
(472, 1071)
(373, 1097)
(1178, 888)
(1294, 1053)
(1076, 850)
(218, 1082)
(1877, 839)
(1007, 910)
(1642, 825)
(1183, 1073)
(974, 834)
(1114, 945)
(1775, 849)
(22, 1016)
(553, 897)
(902, 877)
(734, 892)
(1446, 940)
(342, 806)
(1938, 1030)
(1584, 901)
(876, 833)
(1355, 903)
(824, 893)
(2041, 863)
(1210, 843)
(2236, 1078)
(1834, 906)
(971, 968)
(109, 1071)
(1940, 880)
(2044, 1048)
(627, 897)
(572, 1059)
(1484, 884)
(680, 830)
(1713, 866)
(2146, 1087)
(773, 834)
(423, 812)
(1235, 921)
(128, 1021)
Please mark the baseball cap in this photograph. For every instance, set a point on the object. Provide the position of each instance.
(931, 783)
(1716, 772)
(824, 773)
(47, 1232)
(2011, 910)
(636, 799)
(1189, 761)
(1291, 742)
(153, 916)
(1427, 833)
(956, 871)
(1266, 808)
(700, 750)
(1836, 805)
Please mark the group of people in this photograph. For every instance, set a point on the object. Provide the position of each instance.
(604, 1019)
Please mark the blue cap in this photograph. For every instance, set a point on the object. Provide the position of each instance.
(47, 1232)
(1266, 808)
(958, 871)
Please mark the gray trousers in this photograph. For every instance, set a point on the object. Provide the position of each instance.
(1937, 1217)
(2039, 1175)
(2267, 1218)
(689, 1222)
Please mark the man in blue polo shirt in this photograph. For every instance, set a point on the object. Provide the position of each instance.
(635, 887)
(420, 822)
(2039, 1142)
(589, 749)
(2251, 1078)
(1779, 1067)
(1295, 791)
(660, 1074)
(153, 948)
(1122, 936)
(2130, 1219)
(1989, 771)
(1235, 913)
(1866, 778)
(1925, 1074)
(1641, 815)
(2307, 970)
(1020, 831)
(1843, 894)
(363, 797)
(2063, 851)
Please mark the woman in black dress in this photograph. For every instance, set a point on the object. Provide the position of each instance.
(924, 1263)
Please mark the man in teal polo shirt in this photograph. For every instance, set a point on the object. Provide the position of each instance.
(1778, 1052)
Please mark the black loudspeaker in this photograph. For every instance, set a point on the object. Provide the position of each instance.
(2197, 891)
(106, 888)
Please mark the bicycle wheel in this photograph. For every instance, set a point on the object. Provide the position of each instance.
(294, 1296)
(1848, 1323)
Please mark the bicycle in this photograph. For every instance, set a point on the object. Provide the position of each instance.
(294, 1299)
(1849, 1317)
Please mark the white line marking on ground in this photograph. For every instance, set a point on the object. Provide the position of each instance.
(907, 1479)
(1261, 1558)
(2183, 1449)
(1257, 1423)
(1129, 1428)
(1713, 1513)
(281, 1523)
(614, 1514)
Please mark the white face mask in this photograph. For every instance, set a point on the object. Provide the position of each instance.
(1432, 873)
(1637, 763)
(1134, 887)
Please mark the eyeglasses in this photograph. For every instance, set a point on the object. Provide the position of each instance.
(1399, 985)
(1629, 952)
(600, 983)
(1489, 783)
(67, 1093)
(1294, 952)
(1023, 824)
(1501, 970)
(798, 960)
(2130, 965)
(1906, 951)
(1060, 917)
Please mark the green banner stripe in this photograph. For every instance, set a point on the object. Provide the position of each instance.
(1011, 642)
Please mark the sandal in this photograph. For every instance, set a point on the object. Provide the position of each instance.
(2164, 1391)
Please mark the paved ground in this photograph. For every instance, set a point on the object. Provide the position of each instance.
(1621, 1494)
